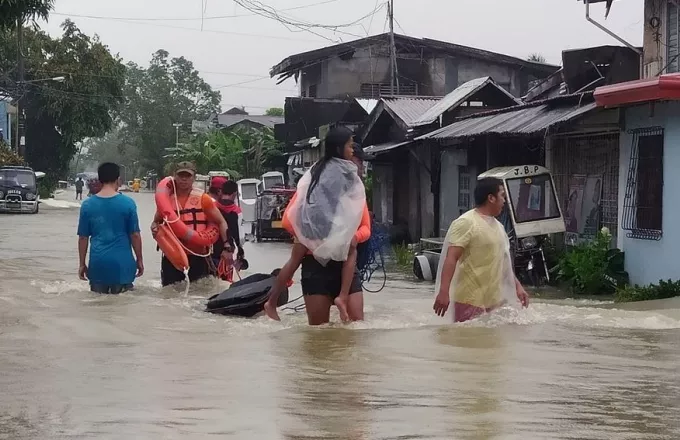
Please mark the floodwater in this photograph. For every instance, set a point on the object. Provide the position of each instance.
(152, 365)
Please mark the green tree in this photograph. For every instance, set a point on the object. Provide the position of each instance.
(274, 111)
(169, 91)
(215, 151)
(536, 58)
(13, 10)
(59, 115)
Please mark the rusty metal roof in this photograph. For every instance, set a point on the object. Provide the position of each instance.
(409, 109)
(464, 93)
(521, 120)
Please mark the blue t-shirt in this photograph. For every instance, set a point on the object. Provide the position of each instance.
(109, 222)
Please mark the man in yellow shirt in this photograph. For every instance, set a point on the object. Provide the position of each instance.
(475, 269)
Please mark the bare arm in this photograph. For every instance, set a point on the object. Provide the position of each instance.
(452, 256)
(83, 243)
(136, 239)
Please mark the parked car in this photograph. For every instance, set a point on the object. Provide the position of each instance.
(19, 189)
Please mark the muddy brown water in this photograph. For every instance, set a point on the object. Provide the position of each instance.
(152, 365)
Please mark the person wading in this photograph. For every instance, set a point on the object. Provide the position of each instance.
(108, 222)
(224, 193)
(79, 188)
(475, 269)
(197, 210)
(330, 196)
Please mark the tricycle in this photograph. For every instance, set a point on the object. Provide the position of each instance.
(269, 209)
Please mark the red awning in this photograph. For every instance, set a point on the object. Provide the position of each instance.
(662, 88)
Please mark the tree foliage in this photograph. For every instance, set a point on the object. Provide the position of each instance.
(274, 111)
(169, 91)
(13, 10)
(59, 115)
(242, 152)
(536, 58)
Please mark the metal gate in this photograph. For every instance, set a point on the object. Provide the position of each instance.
(589, 154)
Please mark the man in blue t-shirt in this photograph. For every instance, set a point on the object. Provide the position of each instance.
(108, 221)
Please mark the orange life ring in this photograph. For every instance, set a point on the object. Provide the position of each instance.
(167, 210)
(172, 248)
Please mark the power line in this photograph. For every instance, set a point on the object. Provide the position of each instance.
(215, 17)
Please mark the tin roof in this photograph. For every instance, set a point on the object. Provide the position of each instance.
(229, 120)
(521, 120)
(462, 94)
(409, 109)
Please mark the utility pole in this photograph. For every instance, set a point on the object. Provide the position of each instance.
(177, 125)
(394, 74)
(20, 139)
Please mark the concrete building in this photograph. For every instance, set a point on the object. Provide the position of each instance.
(361, 69)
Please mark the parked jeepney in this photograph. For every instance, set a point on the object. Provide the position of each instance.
(531, 213)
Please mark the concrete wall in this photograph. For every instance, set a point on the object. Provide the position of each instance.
(448, 197)
(649, 261)
(654, 47)
(436, 76)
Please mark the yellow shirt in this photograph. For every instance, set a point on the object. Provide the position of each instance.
(483, 269)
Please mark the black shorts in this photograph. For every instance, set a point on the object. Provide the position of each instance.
(319, 280)
(111, 289)
(198, 268)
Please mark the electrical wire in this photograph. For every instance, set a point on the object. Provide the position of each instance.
(216, 17)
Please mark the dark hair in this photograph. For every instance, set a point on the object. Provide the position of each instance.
(212, 190)
(334, 143)
(230, 187)
(108, 172)
(489, 186)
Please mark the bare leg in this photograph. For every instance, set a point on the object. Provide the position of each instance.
(318, 308)
(348, 268)
(287, 271)
(355, 306)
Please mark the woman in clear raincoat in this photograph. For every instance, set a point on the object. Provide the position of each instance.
(328, 217)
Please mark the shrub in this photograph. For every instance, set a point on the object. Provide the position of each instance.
(403, 255)
(663, 290)
(593, 267)
(9, 157)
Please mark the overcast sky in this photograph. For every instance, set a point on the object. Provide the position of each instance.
(242, 49)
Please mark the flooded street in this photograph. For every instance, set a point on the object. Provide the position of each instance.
(152, 365)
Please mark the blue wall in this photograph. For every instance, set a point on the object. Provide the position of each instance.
(650, 261)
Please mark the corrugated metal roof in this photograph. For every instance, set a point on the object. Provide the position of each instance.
(228, 120)
(525, 120)
(457, 97)
(381, 148)
(409, 109)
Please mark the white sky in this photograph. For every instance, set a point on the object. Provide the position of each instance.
(244, 48)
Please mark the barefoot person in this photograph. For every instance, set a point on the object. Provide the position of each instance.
(109, 225)
(329, 217)
(475, 269)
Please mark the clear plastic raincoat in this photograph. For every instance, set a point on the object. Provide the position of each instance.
(484, 277)
(326, 222)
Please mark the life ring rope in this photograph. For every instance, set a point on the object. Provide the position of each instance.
(168, 222)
